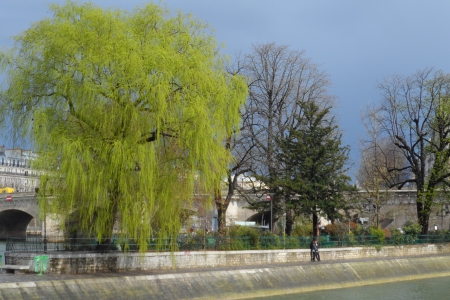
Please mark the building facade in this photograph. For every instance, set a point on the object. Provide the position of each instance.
(16, 171)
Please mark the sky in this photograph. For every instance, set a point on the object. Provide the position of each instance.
(358, 43)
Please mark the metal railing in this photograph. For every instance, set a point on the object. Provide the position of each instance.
(210, 242)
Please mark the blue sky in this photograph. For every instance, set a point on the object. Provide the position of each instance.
(357, 42)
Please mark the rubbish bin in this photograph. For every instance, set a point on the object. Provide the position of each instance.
(41, 264)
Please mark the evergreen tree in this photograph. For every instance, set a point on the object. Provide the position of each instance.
(280, 79)
(313, 166)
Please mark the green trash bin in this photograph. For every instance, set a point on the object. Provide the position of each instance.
(41, 264)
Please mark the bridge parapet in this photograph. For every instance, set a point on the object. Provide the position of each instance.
(17, 199)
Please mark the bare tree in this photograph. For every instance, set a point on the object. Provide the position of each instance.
(414, 115)
(280, 80)
(379, 157)
(241, 145)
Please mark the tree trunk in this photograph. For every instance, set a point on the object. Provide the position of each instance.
(222, 206)
(221, 217)
(289, 221)
(315, 225)
(423, 210)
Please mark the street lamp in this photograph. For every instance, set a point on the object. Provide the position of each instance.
(45, 217)
(370, 210)
(268, 198)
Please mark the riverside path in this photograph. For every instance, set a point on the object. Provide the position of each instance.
(223, 282)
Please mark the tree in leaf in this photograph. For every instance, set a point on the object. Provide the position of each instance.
(314, 162)
(127, 110)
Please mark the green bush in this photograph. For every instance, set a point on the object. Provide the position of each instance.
(411, 229)
(351, 238)
(270, 241)
(303, 229)
(397, 236)
(252, 236)
(290, 242)
(379, 233)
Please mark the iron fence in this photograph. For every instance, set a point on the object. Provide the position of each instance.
(210, 242)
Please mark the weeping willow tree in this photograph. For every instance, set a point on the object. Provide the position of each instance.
(127, 111)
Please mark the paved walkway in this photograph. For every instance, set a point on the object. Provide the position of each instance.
(33, 277)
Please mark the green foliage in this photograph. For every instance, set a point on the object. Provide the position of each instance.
(242, 237)
(379, 233)
(127, 111)
(351, 238)
(397, 236)
(315, 163)
(412, 228)
(290, 242)
(361, 230)
(270, 241)
(302, 229)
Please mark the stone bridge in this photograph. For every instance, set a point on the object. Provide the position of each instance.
(19, 214)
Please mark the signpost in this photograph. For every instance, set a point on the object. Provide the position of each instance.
(268, 198)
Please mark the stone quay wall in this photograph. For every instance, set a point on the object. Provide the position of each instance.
(85, 262)
(241, 283)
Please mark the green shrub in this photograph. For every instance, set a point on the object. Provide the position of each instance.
(303, 229)
(270, 241)
(351, 238)
(379, 233)
(290, 242)
(252, 236)
(233, 243)
(397, 236)
(411, 229)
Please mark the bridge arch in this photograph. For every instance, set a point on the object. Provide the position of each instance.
(16, 213)
(14, 222)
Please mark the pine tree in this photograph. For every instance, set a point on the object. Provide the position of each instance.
(313, 169)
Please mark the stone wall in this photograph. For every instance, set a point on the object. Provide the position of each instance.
(255, 282)
(81, 263)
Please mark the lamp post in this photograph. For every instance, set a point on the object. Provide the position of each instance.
(268, 198)
(45, 217)
(45, 222)
(370, 210)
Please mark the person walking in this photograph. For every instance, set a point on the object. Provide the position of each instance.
(316, 254)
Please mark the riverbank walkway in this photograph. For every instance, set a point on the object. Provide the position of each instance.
(222, 282)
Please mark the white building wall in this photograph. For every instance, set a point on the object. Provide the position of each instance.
(15, 170)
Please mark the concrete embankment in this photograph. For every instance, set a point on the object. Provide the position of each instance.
(232, 283)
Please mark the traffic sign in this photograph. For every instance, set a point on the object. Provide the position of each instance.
(9, 198)
(268, 198)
